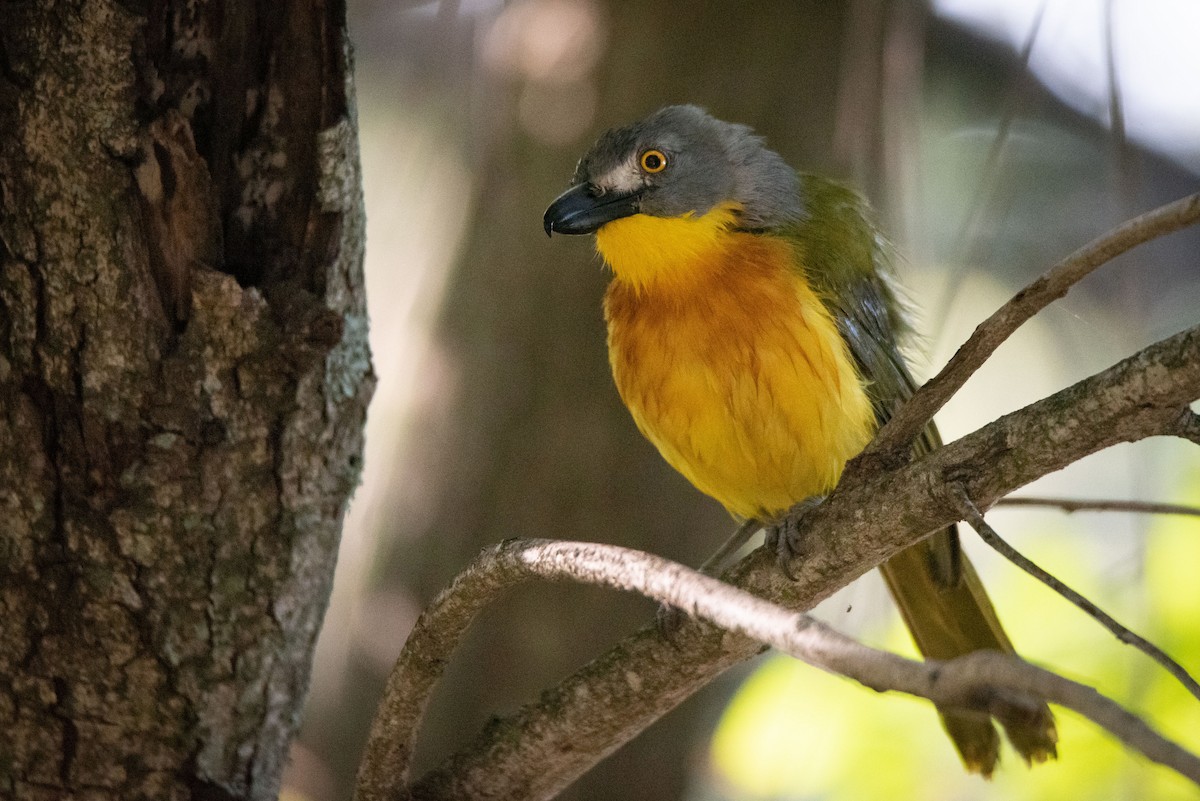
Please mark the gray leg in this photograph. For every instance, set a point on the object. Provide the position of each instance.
(786, 533)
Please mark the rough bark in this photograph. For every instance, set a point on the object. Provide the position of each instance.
(183, 380)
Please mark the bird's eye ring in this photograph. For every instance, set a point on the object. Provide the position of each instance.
(653, 161)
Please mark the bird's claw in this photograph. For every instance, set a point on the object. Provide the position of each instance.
(785, 534)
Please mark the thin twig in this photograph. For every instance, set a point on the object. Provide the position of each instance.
(1014, 98)
(1116, 106)
(972, 682)
(896, 436)
(1070, 505)
(975, 518)
(965, 239)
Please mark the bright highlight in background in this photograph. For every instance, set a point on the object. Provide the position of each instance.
(1154, 50)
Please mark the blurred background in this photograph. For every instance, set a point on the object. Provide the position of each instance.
(993, 137)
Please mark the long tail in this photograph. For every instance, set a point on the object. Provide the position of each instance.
(946, 609)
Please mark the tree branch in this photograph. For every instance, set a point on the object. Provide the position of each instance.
(1070, 505)
(974, 517)
(971, 682)
(867, 519)
(910, 420)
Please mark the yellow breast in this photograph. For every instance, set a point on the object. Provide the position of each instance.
(729, 362)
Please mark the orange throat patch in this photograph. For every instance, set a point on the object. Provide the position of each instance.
(728, 362)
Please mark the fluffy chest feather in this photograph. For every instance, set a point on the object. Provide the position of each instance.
(734, 369)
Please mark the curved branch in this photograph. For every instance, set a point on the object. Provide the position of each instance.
(910, 420)
(866, 520)
(967, 683)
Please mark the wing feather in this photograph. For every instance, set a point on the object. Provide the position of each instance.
(848, 263)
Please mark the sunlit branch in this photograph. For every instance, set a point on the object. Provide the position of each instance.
(971, 682)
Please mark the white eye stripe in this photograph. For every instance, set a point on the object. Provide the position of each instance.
(625, 177)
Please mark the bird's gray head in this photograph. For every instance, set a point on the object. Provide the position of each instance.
(678, 160)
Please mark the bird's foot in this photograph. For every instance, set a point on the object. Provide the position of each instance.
(786, 533)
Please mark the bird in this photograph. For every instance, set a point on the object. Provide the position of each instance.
(754, 330)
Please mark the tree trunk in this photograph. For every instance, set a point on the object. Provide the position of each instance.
(183, 380)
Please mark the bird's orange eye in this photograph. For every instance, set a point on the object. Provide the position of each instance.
(654, 161)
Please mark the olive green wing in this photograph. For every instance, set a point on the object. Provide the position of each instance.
(848, 263)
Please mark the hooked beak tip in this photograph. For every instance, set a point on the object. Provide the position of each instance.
(583, 210)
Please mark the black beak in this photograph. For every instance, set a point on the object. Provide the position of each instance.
(579, 211)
